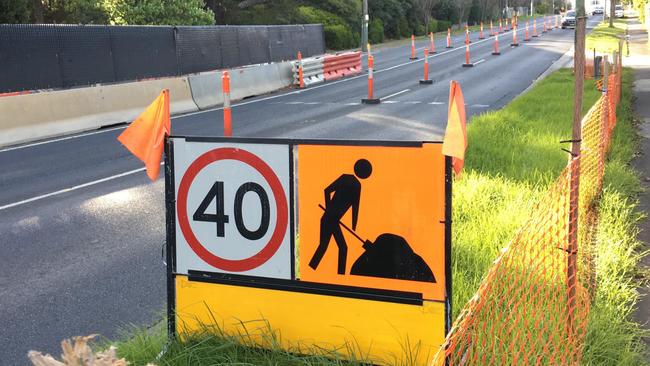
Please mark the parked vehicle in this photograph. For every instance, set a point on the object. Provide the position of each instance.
(598, 10)
(569, 19)
(618, 11)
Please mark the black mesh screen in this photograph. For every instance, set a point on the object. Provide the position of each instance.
(63, 56)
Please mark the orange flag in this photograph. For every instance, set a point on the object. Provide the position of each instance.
(455, 142)
(145, 137)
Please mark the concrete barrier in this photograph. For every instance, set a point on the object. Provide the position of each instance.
(40, 115)
(244, 82)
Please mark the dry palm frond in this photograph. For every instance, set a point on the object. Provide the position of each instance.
(78, 353)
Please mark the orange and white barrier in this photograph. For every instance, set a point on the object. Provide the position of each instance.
(467, 57)
(413, 56)
(496, 51)
(341, 65)
(491, 28)
(449, 38)
(514, 43)
(500, 25)
(426, 79)
(480, 34)
(535, 35)
(433, 44)
(371, 98)
(227, 113)
(301, 77)
(527, 35)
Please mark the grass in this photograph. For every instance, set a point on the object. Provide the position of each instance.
(605, 39)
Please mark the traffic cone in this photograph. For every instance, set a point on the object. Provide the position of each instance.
(557, 21)
(467, 62)
(371, 99)
(433, 44)
(449, 38)
(481, 35)
(300, 71)
(496, 51)
(514, 43)
(491, 28)
(467, 41)
(535, 35)
(549, 27)
(507, 25)
(544, 23)
(227, 112)
(527, 35)
(426, 80)
(413, 56)
(500, 25)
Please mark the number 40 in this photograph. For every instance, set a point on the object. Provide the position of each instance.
(221, 219)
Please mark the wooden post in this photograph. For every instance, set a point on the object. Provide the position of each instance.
(572, 250)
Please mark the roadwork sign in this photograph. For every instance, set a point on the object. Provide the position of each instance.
(335, 245)
(373, 217)
(232, 205)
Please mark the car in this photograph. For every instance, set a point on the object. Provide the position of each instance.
(569, 19)
(598, 10)
(618, 11)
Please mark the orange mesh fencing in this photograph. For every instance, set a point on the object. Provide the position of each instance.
(532, 307)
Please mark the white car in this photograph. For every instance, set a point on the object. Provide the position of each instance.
(598, 10)
(618, 11)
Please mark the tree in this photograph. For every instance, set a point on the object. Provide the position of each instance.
(425, 8)
(161, 12)
(15, 11)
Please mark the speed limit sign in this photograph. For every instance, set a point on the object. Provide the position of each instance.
(232, 208)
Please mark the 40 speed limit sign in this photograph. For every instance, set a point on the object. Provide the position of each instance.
(232, 208)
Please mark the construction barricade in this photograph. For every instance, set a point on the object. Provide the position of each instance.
(532, 307)
(341, 65)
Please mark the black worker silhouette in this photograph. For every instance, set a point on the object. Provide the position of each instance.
(344, 193)
(389, 256)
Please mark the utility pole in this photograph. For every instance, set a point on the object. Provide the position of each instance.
(572, 250)
(532, 7)
(612, 11)
(364, 27)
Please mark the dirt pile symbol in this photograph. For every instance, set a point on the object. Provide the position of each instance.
(389, 256)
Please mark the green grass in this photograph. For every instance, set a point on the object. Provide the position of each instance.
(613, 338)
(513, 157)
(605, 39)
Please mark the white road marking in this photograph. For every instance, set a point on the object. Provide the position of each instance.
(391, 102)
(479, 61)
(437, 103)
(480, 106)
(395, 94)
(413, 102)
(66, 190)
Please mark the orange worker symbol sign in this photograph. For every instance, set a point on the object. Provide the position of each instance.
(373, 217)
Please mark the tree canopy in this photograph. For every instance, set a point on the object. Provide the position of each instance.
(340, 18)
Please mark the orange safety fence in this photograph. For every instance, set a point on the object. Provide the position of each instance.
(530, 309)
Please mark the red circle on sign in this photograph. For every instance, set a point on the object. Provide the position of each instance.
(258, 164)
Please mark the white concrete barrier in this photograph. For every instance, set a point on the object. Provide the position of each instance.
(35, 116)
(244, 82)
(40, 115)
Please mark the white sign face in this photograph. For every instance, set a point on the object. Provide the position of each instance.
(232, 208)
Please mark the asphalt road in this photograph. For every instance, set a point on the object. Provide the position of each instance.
(81, 227)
